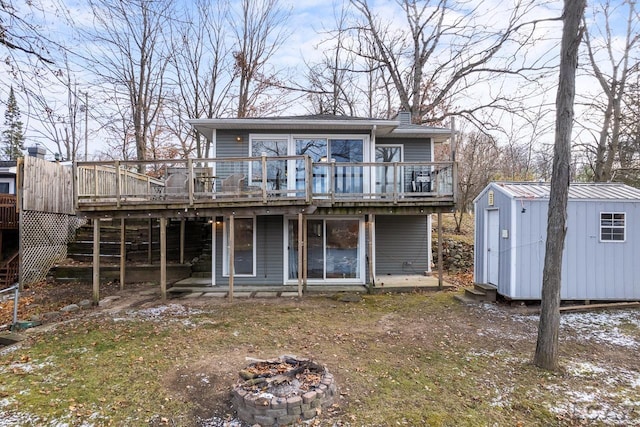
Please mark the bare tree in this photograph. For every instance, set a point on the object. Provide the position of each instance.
(132, 56)
(546, 355)
(476, 156)
(258, 34)
(333, 88)
(611, 66)
(441, 50)
(204, 71)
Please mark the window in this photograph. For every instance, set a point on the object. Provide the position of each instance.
(4, 187)
(244, 238)
(276, 169)
(612, 227)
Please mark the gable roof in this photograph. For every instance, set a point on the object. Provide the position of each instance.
(322, 122)
(577, 190)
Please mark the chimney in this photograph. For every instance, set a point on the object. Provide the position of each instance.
(404, 117)
(37, 151)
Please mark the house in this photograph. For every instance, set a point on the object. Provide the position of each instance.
(601, 245)
(7, 177)
(8, 224)
(292, 201)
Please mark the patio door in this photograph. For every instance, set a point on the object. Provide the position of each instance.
(334, 250)
(386, 182)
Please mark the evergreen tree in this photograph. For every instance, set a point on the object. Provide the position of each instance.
(12, 136)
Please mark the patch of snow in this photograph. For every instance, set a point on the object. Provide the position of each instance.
(613, 400)
(603, 327)
(584, 369)
(10, 349)
(24, 367)
(219, 422)
(502, 398)
(12, 419)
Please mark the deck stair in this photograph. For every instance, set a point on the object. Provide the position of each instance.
(481, 292)
(9, 270)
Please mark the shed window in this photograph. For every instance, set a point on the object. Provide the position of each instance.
(612, 226)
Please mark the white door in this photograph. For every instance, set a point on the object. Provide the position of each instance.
(492, 244)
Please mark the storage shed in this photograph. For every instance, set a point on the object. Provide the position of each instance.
(600, 259)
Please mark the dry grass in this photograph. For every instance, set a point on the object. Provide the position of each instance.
(411, 359)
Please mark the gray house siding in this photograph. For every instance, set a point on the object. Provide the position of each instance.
(402, 244)
(417, 150)
(269, 254)
(591, 269)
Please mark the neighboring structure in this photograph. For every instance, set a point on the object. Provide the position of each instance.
(301, 201)
(8, 177)
(8, 224)
(600, 259)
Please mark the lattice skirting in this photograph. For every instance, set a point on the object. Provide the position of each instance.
(43, 242)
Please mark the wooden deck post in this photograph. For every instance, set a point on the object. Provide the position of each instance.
(150, 238)
(182, 224)
(96, 261)
(440, 250)
(305, 249)
(300, 249)
(370, 255)
(123, 252)
(231, 250)
(163, 258)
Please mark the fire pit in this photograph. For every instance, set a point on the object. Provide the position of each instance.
(282, 391)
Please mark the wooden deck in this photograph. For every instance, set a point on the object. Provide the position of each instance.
(263, 185)
(197, 287)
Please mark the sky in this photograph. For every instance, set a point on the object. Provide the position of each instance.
(306, 25)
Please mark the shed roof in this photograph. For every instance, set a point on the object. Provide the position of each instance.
(577, 190)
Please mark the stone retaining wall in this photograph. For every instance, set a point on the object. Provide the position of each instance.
(267, 410)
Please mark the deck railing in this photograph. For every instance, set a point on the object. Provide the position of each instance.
(8, 211)
(259, 180)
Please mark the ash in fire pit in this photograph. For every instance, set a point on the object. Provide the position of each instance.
(282, 391)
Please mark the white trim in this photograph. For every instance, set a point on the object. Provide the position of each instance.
(600, 227)
(374, 175)
(429, 248)
(214, 233)
(225, 252)
(486, 246)
(12, 184)
(513, 253)
(361, 280)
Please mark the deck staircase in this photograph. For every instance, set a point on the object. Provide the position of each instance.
(137, 242)
(9, 270)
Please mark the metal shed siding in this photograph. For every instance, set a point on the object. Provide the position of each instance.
(269, 254)
(600, 270)
(502, 203)
(402, 239)
(530, 235)
(591, 270)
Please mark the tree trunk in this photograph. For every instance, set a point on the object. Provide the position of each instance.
(546, 355)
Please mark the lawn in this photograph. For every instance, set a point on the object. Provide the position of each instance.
(401, 359)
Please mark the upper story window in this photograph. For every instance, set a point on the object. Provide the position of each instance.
(4, 188)
(276, 169)
(612, 226)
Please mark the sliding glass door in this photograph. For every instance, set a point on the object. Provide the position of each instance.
(333, 249)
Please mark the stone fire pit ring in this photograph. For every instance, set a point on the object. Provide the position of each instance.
(282, 391)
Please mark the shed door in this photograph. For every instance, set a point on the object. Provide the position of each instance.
(492, 246)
